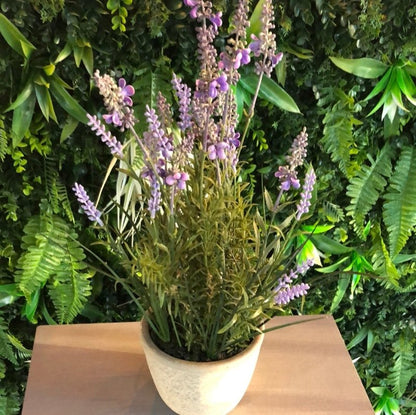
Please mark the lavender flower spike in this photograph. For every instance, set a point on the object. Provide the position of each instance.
(87, 206)
(306, 195)
(106, 137)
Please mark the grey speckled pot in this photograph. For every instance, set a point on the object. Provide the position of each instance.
(203, 388)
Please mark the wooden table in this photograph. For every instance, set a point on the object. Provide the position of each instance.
(100, 369)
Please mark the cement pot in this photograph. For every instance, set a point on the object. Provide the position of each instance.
(203, 388)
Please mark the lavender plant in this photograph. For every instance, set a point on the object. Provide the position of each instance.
(213, 268)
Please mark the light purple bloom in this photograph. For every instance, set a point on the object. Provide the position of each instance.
(216, 20)
(288, 178)
(126, 91)
(285, 292)
(218, 151)
(306, 195)
(255, 45)
(183, 92)
(106, 137)
(288, 294)
(178, 179)
(277, 58)
(87, 206)
(155, 196)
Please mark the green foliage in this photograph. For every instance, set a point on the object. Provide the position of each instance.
(52, 256)
(399, 211)
(404, 364)
(116, 7)
(48, 9)
(338, 139)
(366, 187)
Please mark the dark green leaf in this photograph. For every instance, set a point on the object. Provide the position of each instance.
(363, 67)
(271, 92)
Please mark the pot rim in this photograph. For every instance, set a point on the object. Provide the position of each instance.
(145, 331)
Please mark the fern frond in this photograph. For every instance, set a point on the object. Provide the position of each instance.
(366, 186)
(56, 190)
(3, 140)
(70, 288)
(333, 212)
(9, 402)
(338, 135)
(52, 255)
(399, 210)
(382, 262)
(6, 349)
(149, 82)
(43, 243)
(404, 365)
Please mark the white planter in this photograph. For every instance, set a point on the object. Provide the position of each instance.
(200, 388)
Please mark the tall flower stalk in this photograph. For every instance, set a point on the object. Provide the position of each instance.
(211, 268)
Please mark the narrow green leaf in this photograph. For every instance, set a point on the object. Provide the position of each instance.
(330, 246)
(406, 85)
(14, 37)
(271, 92)
(342, 287)
(331, 268)
(88, 59)
(22, 117)
(64, 53)
(69, 127)
(78, 55)
(26, 92)
(255, 20)
(358, 338)
(364, 67)
(228, 325)
(45, 102)
(380, 85)
(69, 104)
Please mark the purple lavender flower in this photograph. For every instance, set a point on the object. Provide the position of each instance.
(288, 178)
(285, 292)
(216, 20)
(87, 206)
(158, 135)
(288, 294)
(127, 91)
(155, 196)
(218, 151)
(306, 195)
(106, 137)
(177, 179)
(183, 92)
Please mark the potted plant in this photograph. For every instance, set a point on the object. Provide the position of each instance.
(208, 267)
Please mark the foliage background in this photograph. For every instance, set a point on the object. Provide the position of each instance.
(369, 290)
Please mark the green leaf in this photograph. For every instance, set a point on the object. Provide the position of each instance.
(406, 85)
(271, 92)
(69, 104)
(45, 102)
(343, 283)
(88, 59)
(399, 210)
(358, 338)
(380, 86)
(64, 53)
(25, 94)
(228, 325)
(364, 67)
(255, 20)
(22, 117)
(330, 246)
(69, 127)
(14, 37)
(366, 187)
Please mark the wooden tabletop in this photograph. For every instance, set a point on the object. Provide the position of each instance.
(100, 369)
